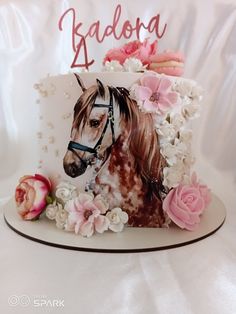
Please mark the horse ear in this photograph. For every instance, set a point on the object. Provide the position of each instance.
(81, 84)
(124, 91)
(101, 88)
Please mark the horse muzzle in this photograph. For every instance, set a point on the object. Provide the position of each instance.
(75, 170)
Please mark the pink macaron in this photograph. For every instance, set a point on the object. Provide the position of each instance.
(168, 62)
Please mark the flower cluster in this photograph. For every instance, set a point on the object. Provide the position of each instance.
(135, 49)
(173, 103)
(132, 57)
(81, 213)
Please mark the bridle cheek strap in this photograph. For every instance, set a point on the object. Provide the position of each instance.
(72, 146)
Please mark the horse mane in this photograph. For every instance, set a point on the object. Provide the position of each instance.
(143, 143)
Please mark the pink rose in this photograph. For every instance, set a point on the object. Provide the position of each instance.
(30, 196)
(134, 49)
(185, 203)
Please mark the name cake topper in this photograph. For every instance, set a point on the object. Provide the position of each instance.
(126, 30)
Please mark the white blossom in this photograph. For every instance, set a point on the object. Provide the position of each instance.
(173, 175)
(177, 121)
(166, 131)
(61, 218)
(52, 209)
(197, 92)
(117, 219)
(183, 87)
(191, 111)
(186, 136)
(133, 65)
(65, 191)
(169, 151)
(112, 66)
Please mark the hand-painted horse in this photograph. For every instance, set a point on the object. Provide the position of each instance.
(108, 126)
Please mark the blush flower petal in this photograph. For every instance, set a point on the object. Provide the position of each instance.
(101, 223)
(150, 81)
(165, 84)
(143, 93)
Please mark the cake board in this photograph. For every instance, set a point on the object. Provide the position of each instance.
(130, 240)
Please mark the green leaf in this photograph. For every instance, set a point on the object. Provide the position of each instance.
(49, 199)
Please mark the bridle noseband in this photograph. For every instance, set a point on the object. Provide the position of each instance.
(73, 146)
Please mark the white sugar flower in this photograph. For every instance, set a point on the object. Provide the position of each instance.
(117, 219)
(184, 87)
(197, 92)
(189, 89)
(186, 136)
(61, 218)
(191, 111)
(174, 152)
(173, 175)
(52, 209)
(166, 131)
(65, 191)
(169, 151)
(112, 66)
(133, 65)
(188, 161)
(181, 147)
(177, 120)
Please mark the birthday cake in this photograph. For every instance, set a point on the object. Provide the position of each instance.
(115, 146)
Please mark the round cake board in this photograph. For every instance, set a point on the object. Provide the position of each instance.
(130, 240)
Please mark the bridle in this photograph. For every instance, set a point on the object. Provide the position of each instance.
(74, 146)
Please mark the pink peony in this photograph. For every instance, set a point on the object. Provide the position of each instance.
(185, 203)
(115, 54)
(85, 214)
(30, 196)
(155, 94)
(135, 49)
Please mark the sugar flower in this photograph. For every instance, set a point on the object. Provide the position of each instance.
(113, 66)
(117, 219)
(154, 94)
(61, 218)
(65, 191)
(31, 196)
(185, 203)
(52, 209)
(85, 214)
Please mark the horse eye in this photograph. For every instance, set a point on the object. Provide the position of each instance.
(93, 123)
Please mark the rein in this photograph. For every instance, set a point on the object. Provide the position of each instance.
(73, 146)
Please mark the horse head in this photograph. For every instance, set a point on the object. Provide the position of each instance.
(95, 128)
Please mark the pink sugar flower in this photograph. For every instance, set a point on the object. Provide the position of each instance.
(134, 49)
(31, 196)
(85, 215)
(155, 94)
(185, 203)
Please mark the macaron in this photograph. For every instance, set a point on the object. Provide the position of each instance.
(168, 62)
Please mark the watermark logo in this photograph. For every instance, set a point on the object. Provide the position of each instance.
(35, 301)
